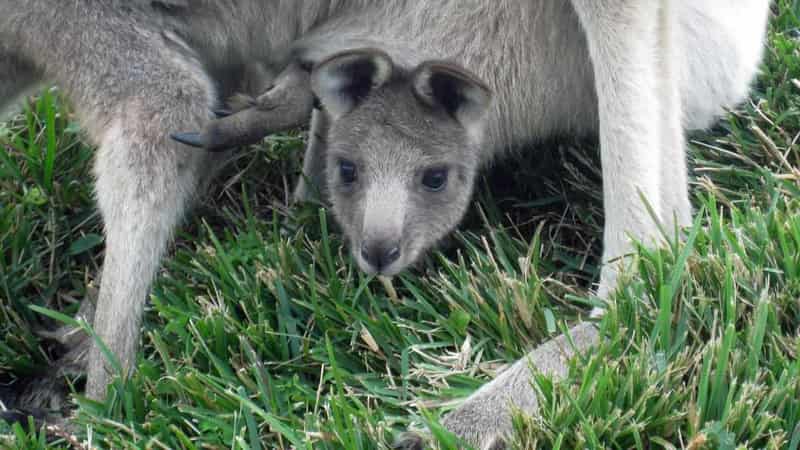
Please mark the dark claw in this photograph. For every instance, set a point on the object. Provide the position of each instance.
(409, 441)
(221, 113)
(21, 417)
(193, 139)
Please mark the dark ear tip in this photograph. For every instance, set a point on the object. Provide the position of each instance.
(222, 113)
(428, 68)
(459, 92)
(357, 52)
(192, 139)
(345, 79)
(22, 417)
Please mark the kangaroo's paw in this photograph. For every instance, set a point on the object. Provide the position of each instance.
(285, 105)
(45, 397)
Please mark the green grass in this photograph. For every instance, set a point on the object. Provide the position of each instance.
(261, 332)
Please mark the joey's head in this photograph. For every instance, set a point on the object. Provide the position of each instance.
(402, 149)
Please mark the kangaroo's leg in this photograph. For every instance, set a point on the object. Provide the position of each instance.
(131, 88)
(624, 38)
(676, 210)
(144, 185)
(484, 419)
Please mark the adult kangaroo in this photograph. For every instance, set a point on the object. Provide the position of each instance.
(486, 76)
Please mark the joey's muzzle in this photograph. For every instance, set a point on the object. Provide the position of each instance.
(380, 254)
(381, 242)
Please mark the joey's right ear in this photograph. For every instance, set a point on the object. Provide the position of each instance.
(342, 81)
(450, 87)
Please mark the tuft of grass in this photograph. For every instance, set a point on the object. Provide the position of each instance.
(49, 231)
(723, 372)
(261, 332)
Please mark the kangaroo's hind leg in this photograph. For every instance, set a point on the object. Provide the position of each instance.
(131, 86)
(144, 185)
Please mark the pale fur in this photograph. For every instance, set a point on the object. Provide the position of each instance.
(634, 72)
(657, 66)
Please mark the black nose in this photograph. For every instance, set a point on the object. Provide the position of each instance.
(380, 255)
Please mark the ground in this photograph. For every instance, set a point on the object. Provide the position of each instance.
(261, 332)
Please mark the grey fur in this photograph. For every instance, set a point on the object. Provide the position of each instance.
(393, 137)
(635, 72)
(485, 418)
(136, 71)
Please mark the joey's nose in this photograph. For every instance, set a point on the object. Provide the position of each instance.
(380, 255)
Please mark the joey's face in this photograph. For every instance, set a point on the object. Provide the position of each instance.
(402, 151)
(399, 178)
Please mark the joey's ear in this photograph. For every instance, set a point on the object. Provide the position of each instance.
(460, 93)
(169, 5)
(342, 81)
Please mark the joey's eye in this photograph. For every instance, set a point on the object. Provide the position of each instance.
(434, 180)
(347, 171)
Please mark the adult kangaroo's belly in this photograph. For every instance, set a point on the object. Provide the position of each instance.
(542, 77)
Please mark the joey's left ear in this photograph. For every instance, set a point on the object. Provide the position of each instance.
(460, 93)
(345, 79)
(169, 5)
